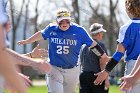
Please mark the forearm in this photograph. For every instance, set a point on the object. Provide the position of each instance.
(137, 73)
(115, 58)
(20, 59)
(36, 37)
(136, 67)
(137, 64)
(102, 64)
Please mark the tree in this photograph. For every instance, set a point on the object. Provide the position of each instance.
(35, 22)
(15, 20)
(25, 26)
(110, 22)
(75, 12)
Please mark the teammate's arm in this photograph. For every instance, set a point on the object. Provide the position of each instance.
(26, 61)
(136, 73)
(35, 37)
(111, 64)
(137, 65)
(115, 58)
(37, 52)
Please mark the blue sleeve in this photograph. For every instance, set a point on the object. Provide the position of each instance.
(46, 32)
(86, 39)
(126, 40)
(124, 36)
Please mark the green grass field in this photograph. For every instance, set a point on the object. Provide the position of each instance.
(43, 89)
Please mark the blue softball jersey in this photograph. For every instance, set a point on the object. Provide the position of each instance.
(64, 46)
(129, 37)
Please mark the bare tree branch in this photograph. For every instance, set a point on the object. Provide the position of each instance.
(76, 11)
(36, 18)
(25, 25)
(116, 4)
(15, 23)
(20, 14)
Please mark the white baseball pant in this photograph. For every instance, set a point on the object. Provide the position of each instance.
(63, 80)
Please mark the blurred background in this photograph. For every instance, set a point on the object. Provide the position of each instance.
(30, 16)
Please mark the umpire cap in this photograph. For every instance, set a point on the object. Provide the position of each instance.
(96, 28)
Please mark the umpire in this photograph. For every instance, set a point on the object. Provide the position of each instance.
(91, 63)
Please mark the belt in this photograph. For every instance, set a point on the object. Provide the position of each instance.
(70, 67)
(90, 71)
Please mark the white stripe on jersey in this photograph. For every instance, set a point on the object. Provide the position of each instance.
(122, 32)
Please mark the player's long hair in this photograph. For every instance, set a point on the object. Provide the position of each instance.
(133, 7)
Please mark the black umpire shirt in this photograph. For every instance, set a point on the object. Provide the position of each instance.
(89, 60)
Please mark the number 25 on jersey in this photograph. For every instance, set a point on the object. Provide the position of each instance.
(62, 49)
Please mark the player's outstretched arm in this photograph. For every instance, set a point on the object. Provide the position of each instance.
(37, 52)
(35, 37)
(101, 76)
(39, 65)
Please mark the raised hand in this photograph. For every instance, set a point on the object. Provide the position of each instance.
(128, 83)
(26, 79)
(38, 53)
(22, 42)
(101, 76)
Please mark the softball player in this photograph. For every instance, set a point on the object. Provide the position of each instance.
(128, 43)
(65, 40)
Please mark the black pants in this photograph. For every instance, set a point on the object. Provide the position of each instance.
(87, 85)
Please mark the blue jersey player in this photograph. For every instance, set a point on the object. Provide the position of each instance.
(65, 40)
(128, 43)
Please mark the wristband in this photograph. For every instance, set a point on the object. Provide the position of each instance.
(110, 65)
(117, 56)
(98, 50)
